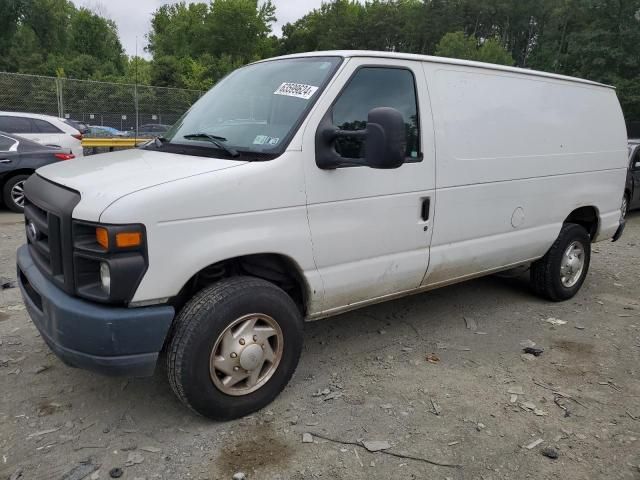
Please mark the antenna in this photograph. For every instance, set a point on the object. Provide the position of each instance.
(135, 94)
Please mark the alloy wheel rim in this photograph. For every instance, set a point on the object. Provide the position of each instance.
(17, 193)
(572, 264)
(623, 208)
(246, 354)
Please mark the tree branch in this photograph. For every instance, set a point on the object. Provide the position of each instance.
(387, 452)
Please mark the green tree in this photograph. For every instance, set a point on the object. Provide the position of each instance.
(333, 26)
(49, 20)
(597, 40)
(42, 36)
(179, 30)
(92, 35)
(10, 13)
(492, 51)
(458, 45)
(165, 71)
(143, 75)
(194, 45)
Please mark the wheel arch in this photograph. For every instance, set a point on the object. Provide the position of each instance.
(586, 216)
(277, 268)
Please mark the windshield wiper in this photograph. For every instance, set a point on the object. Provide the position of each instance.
(215, 139)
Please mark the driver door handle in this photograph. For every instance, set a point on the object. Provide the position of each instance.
(426, 204)
(5, 160)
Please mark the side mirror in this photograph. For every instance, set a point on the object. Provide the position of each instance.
(384, 141)
(386, 138)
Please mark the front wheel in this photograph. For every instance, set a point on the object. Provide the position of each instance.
(13, 193)
(235, 346)
(561, 272)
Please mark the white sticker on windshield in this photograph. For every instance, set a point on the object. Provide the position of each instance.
(299, 90)
(265, 140)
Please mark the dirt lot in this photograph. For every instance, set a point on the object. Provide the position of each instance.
(61, 423)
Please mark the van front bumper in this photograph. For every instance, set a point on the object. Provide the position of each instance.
(105, 339)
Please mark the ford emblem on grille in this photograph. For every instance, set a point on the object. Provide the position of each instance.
(32, 232)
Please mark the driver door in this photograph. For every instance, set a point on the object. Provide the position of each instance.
(371, 229)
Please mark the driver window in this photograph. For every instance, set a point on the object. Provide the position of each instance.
(373, 87)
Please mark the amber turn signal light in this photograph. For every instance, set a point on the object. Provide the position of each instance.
(102, 237)
(128, 239)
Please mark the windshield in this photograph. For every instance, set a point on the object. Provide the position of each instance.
(255, 109)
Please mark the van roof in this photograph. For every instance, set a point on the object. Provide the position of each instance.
(443, 60)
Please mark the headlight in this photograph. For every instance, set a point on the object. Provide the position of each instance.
(109, 260)
(105, 277)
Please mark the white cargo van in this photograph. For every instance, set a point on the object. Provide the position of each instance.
(305, 186)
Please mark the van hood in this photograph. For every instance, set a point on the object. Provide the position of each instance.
(102, 179)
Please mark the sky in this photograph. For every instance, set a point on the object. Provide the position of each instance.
(133, 17)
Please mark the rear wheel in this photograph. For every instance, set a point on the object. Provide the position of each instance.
(561, 272)
(235, 346)
(13, 193)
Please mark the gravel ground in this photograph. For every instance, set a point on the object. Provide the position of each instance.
(363, 376)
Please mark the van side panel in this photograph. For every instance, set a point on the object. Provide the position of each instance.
(494, 126)
(468, 244)
(516, 154)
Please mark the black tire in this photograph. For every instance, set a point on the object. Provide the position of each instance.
(6, 193)
(545, 273)
(199, 324)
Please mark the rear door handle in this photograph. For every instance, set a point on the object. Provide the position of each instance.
(426, 204)
(5, 160)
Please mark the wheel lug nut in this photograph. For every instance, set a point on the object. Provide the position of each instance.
(255, 338)
(234, 354)
(242, 341)
(235, 369)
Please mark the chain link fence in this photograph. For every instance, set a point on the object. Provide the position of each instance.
(125, 107)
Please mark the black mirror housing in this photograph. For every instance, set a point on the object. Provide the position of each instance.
(386, 138)
(384, 141)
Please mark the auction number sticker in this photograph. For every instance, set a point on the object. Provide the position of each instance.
(299, 90)
(265, 140)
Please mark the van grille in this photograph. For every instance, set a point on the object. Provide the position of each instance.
(45, 245)
(47, 213)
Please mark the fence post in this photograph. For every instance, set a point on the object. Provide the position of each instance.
(59, 95)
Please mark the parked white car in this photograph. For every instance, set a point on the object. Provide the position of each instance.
(305, 186)
(43, 129)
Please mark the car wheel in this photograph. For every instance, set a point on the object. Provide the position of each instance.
(235, 346)
(13, 193)
(561, 272)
